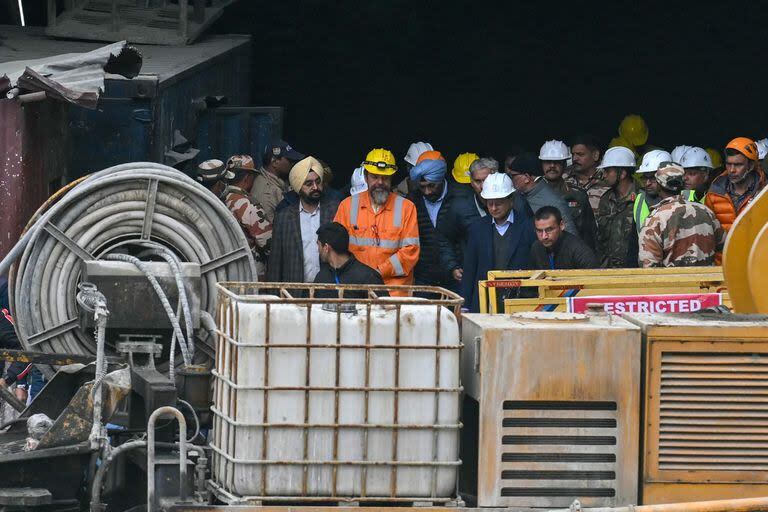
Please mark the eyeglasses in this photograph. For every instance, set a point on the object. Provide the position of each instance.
(380, 165)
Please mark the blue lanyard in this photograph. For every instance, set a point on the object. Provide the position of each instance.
(552, 261)
(336, 277)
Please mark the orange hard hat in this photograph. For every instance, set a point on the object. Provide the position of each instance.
(745, 146)
(430, 155)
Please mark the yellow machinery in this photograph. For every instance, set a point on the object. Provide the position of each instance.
(705, 407)
(551, 290)
(745, 258)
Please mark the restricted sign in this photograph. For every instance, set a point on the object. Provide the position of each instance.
(672, 303)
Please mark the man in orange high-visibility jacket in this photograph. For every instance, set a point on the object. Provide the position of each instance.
(383, 227)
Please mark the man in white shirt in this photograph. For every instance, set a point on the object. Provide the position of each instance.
(294, 256)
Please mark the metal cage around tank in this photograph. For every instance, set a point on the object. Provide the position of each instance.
(443, 390)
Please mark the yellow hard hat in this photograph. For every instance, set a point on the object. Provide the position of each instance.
(634, 130)
(621, 141)
(461, 165)
(380, 161)
(717, 159)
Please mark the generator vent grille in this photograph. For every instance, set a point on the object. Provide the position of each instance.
(713, 412)
(558, 449)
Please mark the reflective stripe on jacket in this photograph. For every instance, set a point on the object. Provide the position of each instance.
(387, 241)
(690, 195)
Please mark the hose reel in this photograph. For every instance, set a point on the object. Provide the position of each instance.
(141, 209)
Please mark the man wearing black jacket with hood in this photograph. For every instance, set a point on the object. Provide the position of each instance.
(339, 266)
(555, 247)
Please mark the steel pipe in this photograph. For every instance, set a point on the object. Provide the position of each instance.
(166, 411)
(98, 479)
(736, 505)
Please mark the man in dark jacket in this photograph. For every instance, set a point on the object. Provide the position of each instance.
(500, 241)
(554, 155)
(526, 175)
(294, 256)
(556, 248)
(465, 210)
(339, 266)
(439, 238)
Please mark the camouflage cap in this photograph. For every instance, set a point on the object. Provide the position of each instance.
(241, 162)
(670, 176)
(210, 170)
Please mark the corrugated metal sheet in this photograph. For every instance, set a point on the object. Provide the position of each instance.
(32, 157)
(74, 77)
(163, 62)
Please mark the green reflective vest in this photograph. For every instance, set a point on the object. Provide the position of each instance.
(690, 195)
(640, 211)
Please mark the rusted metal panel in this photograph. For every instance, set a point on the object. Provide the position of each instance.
(706, 406)
(32, 158)
(24, 356)
(559, 401)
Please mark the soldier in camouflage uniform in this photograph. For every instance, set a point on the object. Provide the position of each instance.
(678, 233)
(583, 174)
(257, 229)
(614, 216)
(214, 176)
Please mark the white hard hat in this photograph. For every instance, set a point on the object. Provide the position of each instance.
(762, 148)
(415, 150)
(497, 186)
(618, 156)
(678, 152)
(652, 159)
(358, 183)
(554, 150)
(696, 157)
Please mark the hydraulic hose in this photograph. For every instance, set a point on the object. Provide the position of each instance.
(175, 265)
(177, 334)
(126, 206)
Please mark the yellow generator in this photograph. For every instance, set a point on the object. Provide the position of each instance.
(705, 406)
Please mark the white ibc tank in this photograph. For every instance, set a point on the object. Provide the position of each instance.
(315, 442)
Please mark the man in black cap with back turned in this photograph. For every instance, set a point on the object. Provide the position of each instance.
(339, 266)
(271, 181)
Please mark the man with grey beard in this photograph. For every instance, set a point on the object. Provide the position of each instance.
(383, 227)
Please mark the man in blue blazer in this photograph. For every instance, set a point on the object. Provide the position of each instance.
(500, 241)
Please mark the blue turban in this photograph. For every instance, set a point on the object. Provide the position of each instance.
(429, 170)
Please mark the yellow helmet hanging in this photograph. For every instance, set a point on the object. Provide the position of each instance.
(634, 130)
(461, 165)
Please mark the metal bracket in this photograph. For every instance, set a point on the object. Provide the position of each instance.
(224, 259)
(70, 244)
(147, 349)
(47, 334)
(476, 359)
(149, 209)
